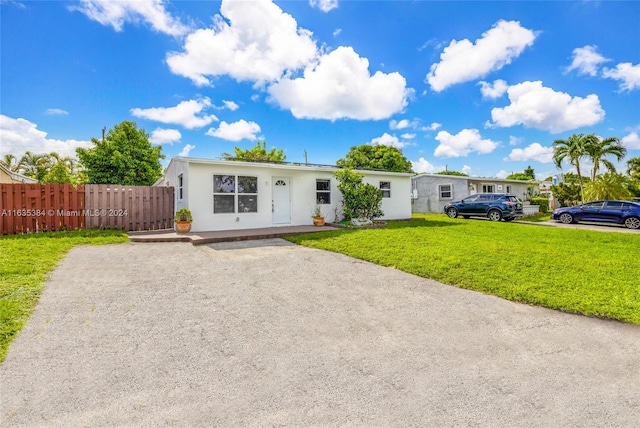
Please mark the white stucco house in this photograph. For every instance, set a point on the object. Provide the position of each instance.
(431, 192)
(227, 195)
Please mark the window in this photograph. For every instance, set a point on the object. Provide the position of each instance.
(508, 188)
(385, 186)
(323, 192)
(615, 205)
(235, 194)
(180, 186)
(488, 188)
(445, 191)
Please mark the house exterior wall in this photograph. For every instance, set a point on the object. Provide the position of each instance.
(429, 200)
(198, 192)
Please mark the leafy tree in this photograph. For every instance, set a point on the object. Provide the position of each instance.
(33, 165)
(572, 149)
(598, 149)
(530, 172)
(58, 173)
(456, 173)
(567, 193)
(359, 200)
(607, 186)
(519, 176)
(377, 156)
(258, 153)
(125, 156)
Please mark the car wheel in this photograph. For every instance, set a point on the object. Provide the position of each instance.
(566, 218)
(632, 223)
(494, 215)
(452, 212)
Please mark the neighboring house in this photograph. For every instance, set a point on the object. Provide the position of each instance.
(430, 192)
(225, 195)
(8, 176)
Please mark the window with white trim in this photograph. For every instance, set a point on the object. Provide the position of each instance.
(180, 187)
(323, 192)
(385, 186)
(235, 194)
(445, 191)
(488, 188)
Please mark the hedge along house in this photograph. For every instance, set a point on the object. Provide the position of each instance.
(431, 192)
(226, 195)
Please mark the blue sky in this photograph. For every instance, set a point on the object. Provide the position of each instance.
(480, 87)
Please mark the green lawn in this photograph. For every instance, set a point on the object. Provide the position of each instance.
(25, 263)
(579, 271)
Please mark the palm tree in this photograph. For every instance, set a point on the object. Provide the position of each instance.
(598, 149)
(30, 164)
(607, 186)
(572, 149)
(10, 162)
(633, 167)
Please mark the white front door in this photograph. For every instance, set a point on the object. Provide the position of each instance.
(281, 203)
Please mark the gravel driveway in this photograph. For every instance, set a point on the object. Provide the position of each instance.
(266, 333)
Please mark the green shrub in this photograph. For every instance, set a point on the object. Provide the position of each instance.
(543, 202)
(359, 200)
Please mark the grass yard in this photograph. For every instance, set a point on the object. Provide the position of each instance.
(578, 271)
(25, 263)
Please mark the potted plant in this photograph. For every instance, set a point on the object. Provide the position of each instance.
(318, 217)
(183, 220)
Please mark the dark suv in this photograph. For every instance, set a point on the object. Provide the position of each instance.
(494, 206)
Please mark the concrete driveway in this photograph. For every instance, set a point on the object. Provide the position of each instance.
(266, 333)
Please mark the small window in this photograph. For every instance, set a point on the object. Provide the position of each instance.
(445, 191)
(323, 192)
(180, 187)
(615, 205)
(508, 188)
(235, 194)
(488, 188)
(385, 186)
(594, 205)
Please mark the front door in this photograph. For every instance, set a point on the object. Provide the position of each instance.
(281, 203)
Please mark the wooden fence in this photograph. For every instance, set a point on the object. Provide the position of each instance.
(28, 208)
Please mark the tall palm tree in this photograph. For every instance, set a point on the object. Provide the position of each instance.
(572, 149)
(598, 149)
(31, 164)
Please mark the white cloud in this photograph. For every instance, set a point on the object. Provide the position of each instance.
(337, 32)
(495, 90)
(389, 140)
(462, 144)
(463, 61)
(186, 150)
(627, 73)
(235, 131)
(399, 124)
(20, 135)
(466, 169)
(502, 174)
(251, 41)
(165, 136)
(324, 5)
(539, 107)
(408, 136)
(340, 86)
(231, 105)
(586, 60)
(423, 165)
(185, 114)
(117, 13)
(534, 151)
(631, 141)
(514, 141)
(434, 126)
(56, 112)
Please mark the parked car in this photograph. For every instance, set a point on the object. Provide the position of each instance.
(618, 212)
(494, 206)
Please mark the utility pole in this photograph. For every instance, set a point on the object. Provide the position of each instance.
(103, 129)
(305, 157)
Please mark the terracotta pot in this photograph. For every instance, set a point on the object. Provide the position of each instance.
(183, 226)
(318, 221)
